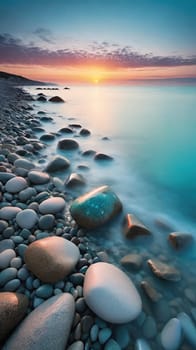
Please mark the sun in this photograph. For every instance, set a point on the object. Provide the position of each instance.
(96, 81)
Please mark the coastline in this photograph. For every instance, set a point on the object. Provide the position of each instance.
(19, 141)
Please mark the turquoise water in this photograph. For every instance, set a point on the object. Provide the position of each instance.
(152, 139)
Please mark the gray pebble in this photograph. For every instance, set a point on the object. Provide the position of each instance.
(23, 273)
(6, 244)
(12, 285)
(5, 258)
(6, 275)
(80, 305)
(16, 262)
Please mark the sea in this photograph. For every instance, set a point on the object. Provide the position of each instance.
(150, 131)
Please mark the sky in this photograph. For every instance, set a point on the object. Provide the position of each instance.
(98, 41)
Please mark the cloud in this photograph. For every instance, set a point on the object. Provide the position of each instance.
(44, 34)
(14, 51)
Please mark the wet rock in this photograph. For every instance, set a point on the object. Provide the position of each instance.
(46, 119)
(141, 344)
(41, 99)
(102, 156)
(16, 184)
(6, 244)
(188, 327)
(56, 99)
(89, 152)
(132, 227)
(75, 126)
(171, 335)
(95, 208)
(46, 222)
(112, 345)
(133, 261)
(4, 176)
(149, 328)
(57, 164)
(164, 271)
(38, 177)
(51, 259)
(122, 337)
(8, 213)
(27, 218)
(84, 132)
(47, 137)
(3, 225)
(5, 258)
(26, 194)
(180, 240)
(24, 163)
(52, 205)
(66, 131)
(47, 327)
(78, 345)
(13, 307)
(7, 275)
(75, 180)
(68, 144)
(103, 285)
(151, 292)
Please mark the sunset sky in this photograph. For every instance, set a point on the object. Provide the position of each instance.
(98, 41)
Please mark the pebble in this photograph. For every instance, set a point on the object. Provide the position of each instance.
(27, 218)
(51, 258)
(13, 307)
(27, 194)
(189, 329)
(86, 323)
(57, 164)
(16, 262)
(122, 337)
(78, 345)
(23, 273)
(171, 335)
(16, 184)
(4, 177)
(45, 291)
(141, 344)
(52, 205)
(46, 222)
(94, 332)
(164, 271)
(12, 285)
(38, 177)
(103, 285)
(68, 144)
(5, 258)
(6, 244)
(3, 225)
(112, 345)
(6, 275)
(46, 327)
(149, 328)
(8, 213)
(104, 335)
(24, 163)
(77, 278)
(80, 305)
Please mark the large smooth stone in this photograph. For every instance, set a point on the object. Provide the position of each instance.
(24, 163)
(52, 205)
(180, 240)
(16, 184)
(110, 294)
(67, 144)
(57, 164)
(95, 208)
(13, 307)
(75, 180)
(27, 218)
(47, 327)
(171, 335)
(189, 329)
(8, 213)
(38, 177)
(51, 259)
(141, 344)
(133, 227)
(164, 271)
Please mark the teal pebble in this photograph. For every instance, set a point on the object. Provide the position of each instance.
(112, 345)
(6, 275)
(23, 273)
(12, 285)
(94, 332)
(36, 283)
(21, 250)
(37, 302)
(104, 335)
(16, 262)
(122, 336)
(17, 239)
(45, 291)
(25, 233)
(41, 235)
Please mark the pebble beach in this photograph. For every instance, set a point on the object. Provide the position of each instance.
(59, 288)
